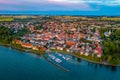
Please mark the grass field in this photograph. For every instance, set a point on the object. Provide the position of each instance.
(111, 19)
(2, 18)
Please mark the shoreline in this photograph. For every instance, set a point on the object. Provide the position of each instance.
(19, 49)
(95, 62)
(39, 53)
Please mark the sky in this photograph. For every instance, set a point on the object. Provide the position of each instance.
(72, 7)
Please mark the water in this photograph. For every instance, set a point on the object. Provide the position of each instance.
(16, 65)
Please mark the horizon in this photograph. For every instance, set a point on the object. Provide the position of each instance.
(55, 13)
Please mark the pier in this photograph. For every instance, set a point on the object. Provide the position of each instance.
(59, 66)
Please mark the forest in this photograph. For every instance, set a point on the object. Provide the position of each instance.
(111, 45)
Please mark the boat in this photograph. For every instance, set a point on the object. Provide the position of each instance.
(55, 59)
(51, 56)
(59, 54)
(67, 59)
(63, 56)
(58, 60)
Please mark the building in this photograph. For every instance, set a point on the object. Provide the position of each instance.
(27, 45)
(31, 28)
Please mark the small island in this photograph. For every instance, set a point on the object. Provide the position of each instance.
(95, 39)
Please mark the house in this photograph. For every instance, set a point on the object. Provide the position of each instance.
(52, 47)
(31, 28)
(35, 48)
(99, 52)
(70, 43)
(38, 38)
(82, 51)
(18, 41)
(42, 48)
(86, 52)
(68, 50)
(27, 45)
(99, 46)
(46, 38)
(59, 48)
(81, 35)
(107, 33)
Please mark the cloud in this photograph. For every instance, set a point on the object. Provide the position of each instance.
(98, 2)
(67, 1)
(43, 5)
(103, 2)
(87, 2)
(9, 2)
(56, 5)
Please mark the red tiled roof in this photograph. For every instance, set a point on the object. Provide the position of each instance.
(43, 48)
(46, 38)
(26, 44)
(70, 43)
(99, 50)
(18, 41)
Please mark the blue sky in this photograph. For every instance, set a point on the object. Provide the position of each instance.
(77, 7)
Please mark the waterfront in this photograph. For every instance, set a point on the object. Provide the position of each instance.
(16, 65)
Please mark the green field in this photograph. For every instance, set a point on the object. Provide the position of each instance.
(6, 18)
(111, 18)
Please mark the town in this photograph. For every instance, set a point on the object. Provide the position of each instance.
(78, 35)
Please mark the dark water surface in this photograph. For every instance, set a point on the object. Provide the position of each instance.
(16, 65)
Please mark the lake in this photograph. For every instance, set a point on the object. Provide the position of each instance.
(17, 65)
